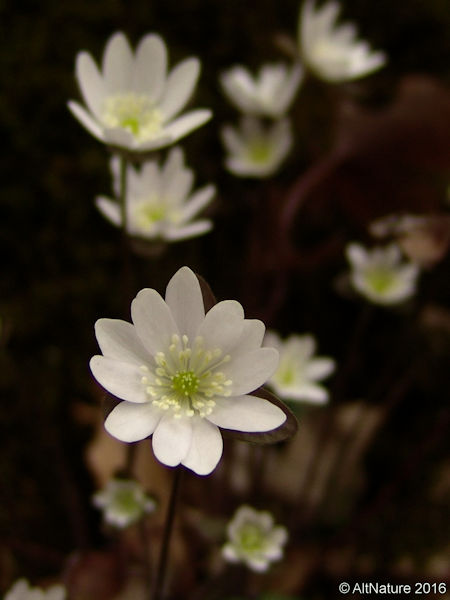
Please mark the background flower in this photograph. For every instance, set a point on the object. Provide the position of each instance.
(132, 102)
(183, 374)
(159, 203)
(123, 502)
(299, 370)
(253, 539)
(22, 590)
(332, 51)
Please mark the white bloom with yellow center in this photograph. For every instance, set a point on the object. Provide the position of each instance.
(22, 590)
(380, 274)
(253, 539)
(123, 502)
(132, 101)
(268, 94)
(333, 51)
(299, 370)
(183, 374)
(255, 150)
(159, 203)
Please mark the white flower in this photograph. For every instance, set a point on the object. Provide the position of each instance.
(255, 150)
(269, 94)
(21, 590)
(253, 539)
(132, 101)
(123, 502)
(299, 371)
(380, 275)
(332, 51)
(184, 374)
(158, 200)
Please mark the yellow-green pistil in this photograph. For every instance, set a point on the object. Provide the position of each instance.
(186, 378)
(251, 538)
(134, 112)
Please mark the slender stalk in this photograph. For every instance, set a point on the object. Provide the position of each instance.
(168, 526)
(127, 287)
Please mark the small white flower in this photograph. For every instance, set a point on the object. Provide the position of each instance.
(132, 102)
(183, 374)
(380, 275)
(123, 502)
(256, 150)
(159, 203)
(253, 539)
(269, 94)
(333, 51)
(22, 590)
(299, 370)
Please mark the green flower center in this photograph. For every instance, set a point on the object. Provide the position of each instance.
(251, 538)
(260, 151)
(380, 279)
(185, 383)
(134, 112)
(125, 501)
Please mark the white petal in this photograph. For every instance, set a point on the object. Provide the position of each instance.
(156, 143)
(178, 186)
(304, 392)
(132, 422)
(123, 380)
(183, 232)
(251, 338)
(272, 340)
(197, 202)
(109, 209)
(179, 87)
(90, 82)
(206, 447)
(250, 371)
(118, 339)
(247, 413)
(150, 66)
(319, 368)
(185, 300)
(356, 255)
(172, 439)
(187, 123)
(222, 326)
(232, 140)
(122, 138)
(153, 320)
(86, 119)
(117, 64)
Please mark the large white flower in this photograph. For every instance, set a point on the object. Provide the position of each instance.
(256, 150)
(159, 203)
(22, 590)
(253, 539)
(268, 94)
(183, 374)
(380, 275)
(299, 370)
(332, 51)
(132, 102)
(123, 502)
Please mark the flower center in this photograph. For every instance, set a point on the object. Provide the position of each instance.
(259, 151)
(134, 112)
(251, 537)
(125, 501)
(154, 210)
(186, 378)
(380, 279)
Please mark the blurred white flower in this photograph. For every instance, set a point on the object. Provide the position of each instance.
(132, 102)
(159, 203)
(380, 274)
(22, 590)
(333, 51)
(253, 539)
(123, 502)
(299, 370)
(183, 374)
(256, 150)
(268, 94)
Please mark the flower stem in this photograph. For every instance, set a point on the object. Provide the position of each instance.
(127, 290)
(168, 526)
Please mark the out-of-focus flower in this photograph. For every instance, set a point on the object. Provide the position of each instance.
(22, 590)
(380, 274)
(132, 102)
(183, 374)
(333, 52)
(299, 370)
(268, 94)
(256, 150)
(159, 203)
(123, 502)
(253, 539)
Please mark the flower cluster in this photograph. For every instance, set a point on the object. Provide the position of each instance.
(253, 539)
(183, 373)
(22, 590)
(123, 502)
